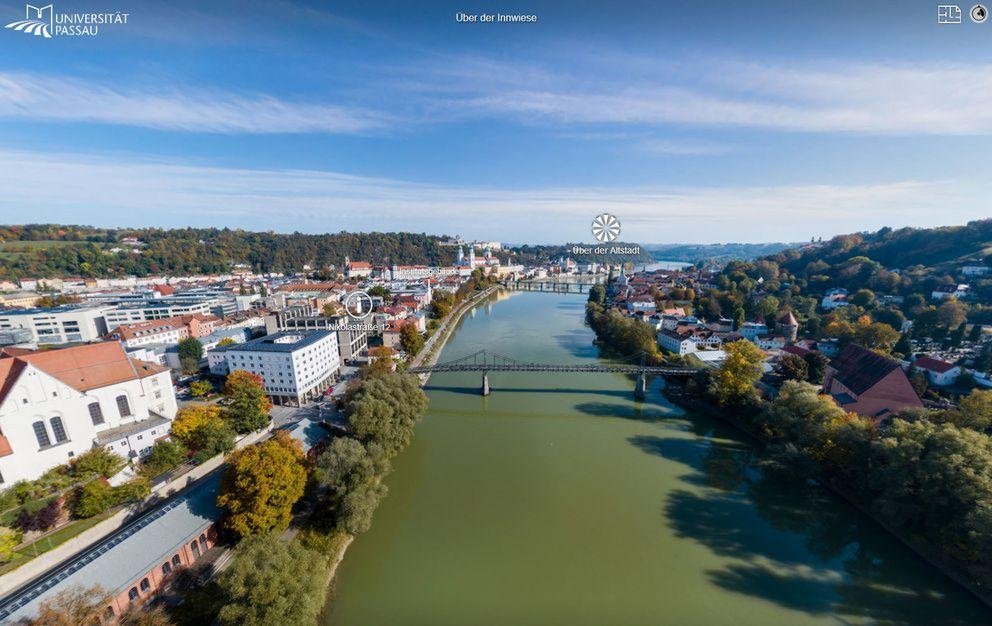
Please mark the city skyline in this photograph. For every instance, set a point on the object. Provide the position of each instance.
(688, 127)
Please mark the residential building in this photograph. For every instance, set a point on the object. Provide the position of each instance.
(687, 339)
(65, 324)
(867, 383)
(751, 330)
(938, 372)
(770, 342)
(976, 270)
(834, 298)
(55, 404)
(167, 331)
(295, 366)
(946, 292)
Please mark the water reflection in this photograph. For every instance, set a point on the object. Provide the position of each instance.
(863, 574)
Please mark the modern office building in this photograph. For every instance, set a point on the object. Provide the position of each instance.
(64, 324)
(296, 366)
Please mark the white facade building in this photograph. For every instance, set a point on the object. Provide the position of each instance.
(58, 404)
(57, 325)
(295, 366)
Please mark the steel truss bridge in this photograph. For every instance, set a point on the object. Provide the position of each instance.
(485, 361)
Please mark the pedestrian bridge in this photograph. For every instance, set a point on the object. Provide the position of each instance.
(485, 361)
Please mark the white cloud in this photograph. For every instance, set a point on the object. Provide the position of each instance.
(135, 191)
(856, 97)
(60, 99)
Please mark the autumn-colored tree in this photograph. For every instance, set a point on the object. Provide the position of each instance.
(9, 538)
(733, 382)
(74, 606)
(382, 361)
(248, 406)
(193, 417)
(261, 484)
(226, 341)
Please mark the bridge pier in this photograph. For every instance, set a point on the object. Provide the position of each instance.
(640, 389)
(485, 383)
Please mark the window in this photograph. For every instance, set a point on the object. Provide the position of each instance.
(196, 549)
(58, 429)
(96, 413)
(203, 542)
(132, 594)
(145, 585)
(41, 433)
(123, 407)
(166, 569)
(176, 561)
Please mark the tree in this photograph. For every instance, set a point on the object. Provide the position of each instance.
(226, 341)
(164, 456)
(768, 306)
(248, 406)
(793, 367)
(973, 411)
(410, 339)
(190, 353)
(9, 538)
(384, 410)
(382, 362)
(74, 606)
(261, 484)
(739, 318)
(93, 498)
(192, 417)
(597, 294)
(200, 388)
(273, 582)
(952, 313)
(379, 290)
(733, 382)
(975, 334)
(904, 346)
(348, 472)
(816, 367)
(863, 298)
(97, 462)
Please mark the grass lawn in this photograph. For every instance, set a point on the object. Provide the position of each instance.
(25, 553)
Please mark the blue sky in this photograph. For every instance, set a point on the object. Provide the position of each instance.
(692, 122)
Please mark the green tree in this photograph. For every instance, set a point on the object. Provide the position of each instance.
(273, 582)
(379, 290)
(384, 410)
(97, 462)
(411, 340)
(739, 318)
(261, 484)
(816, 366)
(597, 294)
(190, 353)
(952, 313)
(793, 367)
(200, 388)
(164, 456)
(863, 298)
(973, 411)
(348, 472)
(733, 383)
(248, 406)
(904, 346)
(93, 498)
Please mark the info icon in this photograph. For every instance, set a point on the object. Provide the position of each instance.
(979, 13)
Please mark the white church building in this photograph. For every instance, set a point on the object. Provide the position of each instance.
(56, 404)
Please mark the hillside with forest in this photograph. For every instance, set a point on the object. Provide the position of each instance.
(714, 252)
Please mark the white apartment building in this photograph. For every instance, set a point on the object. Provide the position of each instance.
(167, 331)
(56, 404)
(295, 366)
(66, 324)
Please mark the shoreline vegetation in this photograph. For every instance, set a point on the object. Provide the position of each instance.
(924, 458)
(344, 488)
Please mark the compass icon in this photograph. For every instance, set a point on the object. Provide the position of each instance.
(605, 228)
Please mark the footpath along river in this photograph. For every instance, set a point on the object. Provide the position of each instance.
(560, 500)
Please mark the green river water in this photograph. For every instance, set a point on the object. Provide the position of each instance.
(560, 500)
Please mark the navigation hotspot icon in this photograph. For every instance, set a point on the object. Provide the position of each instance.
(605, 228)
(358, 304)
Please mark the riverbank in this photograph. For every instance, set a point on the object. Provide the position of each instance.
(432, 348)
(924, 551)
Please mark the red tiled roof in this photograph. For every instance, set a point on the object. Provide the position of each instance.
(933, 365)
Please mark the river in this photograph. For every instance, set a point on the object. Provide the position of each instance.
(560, 500)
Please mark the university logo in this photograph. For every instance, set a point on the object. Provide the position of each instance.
(37, 21)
